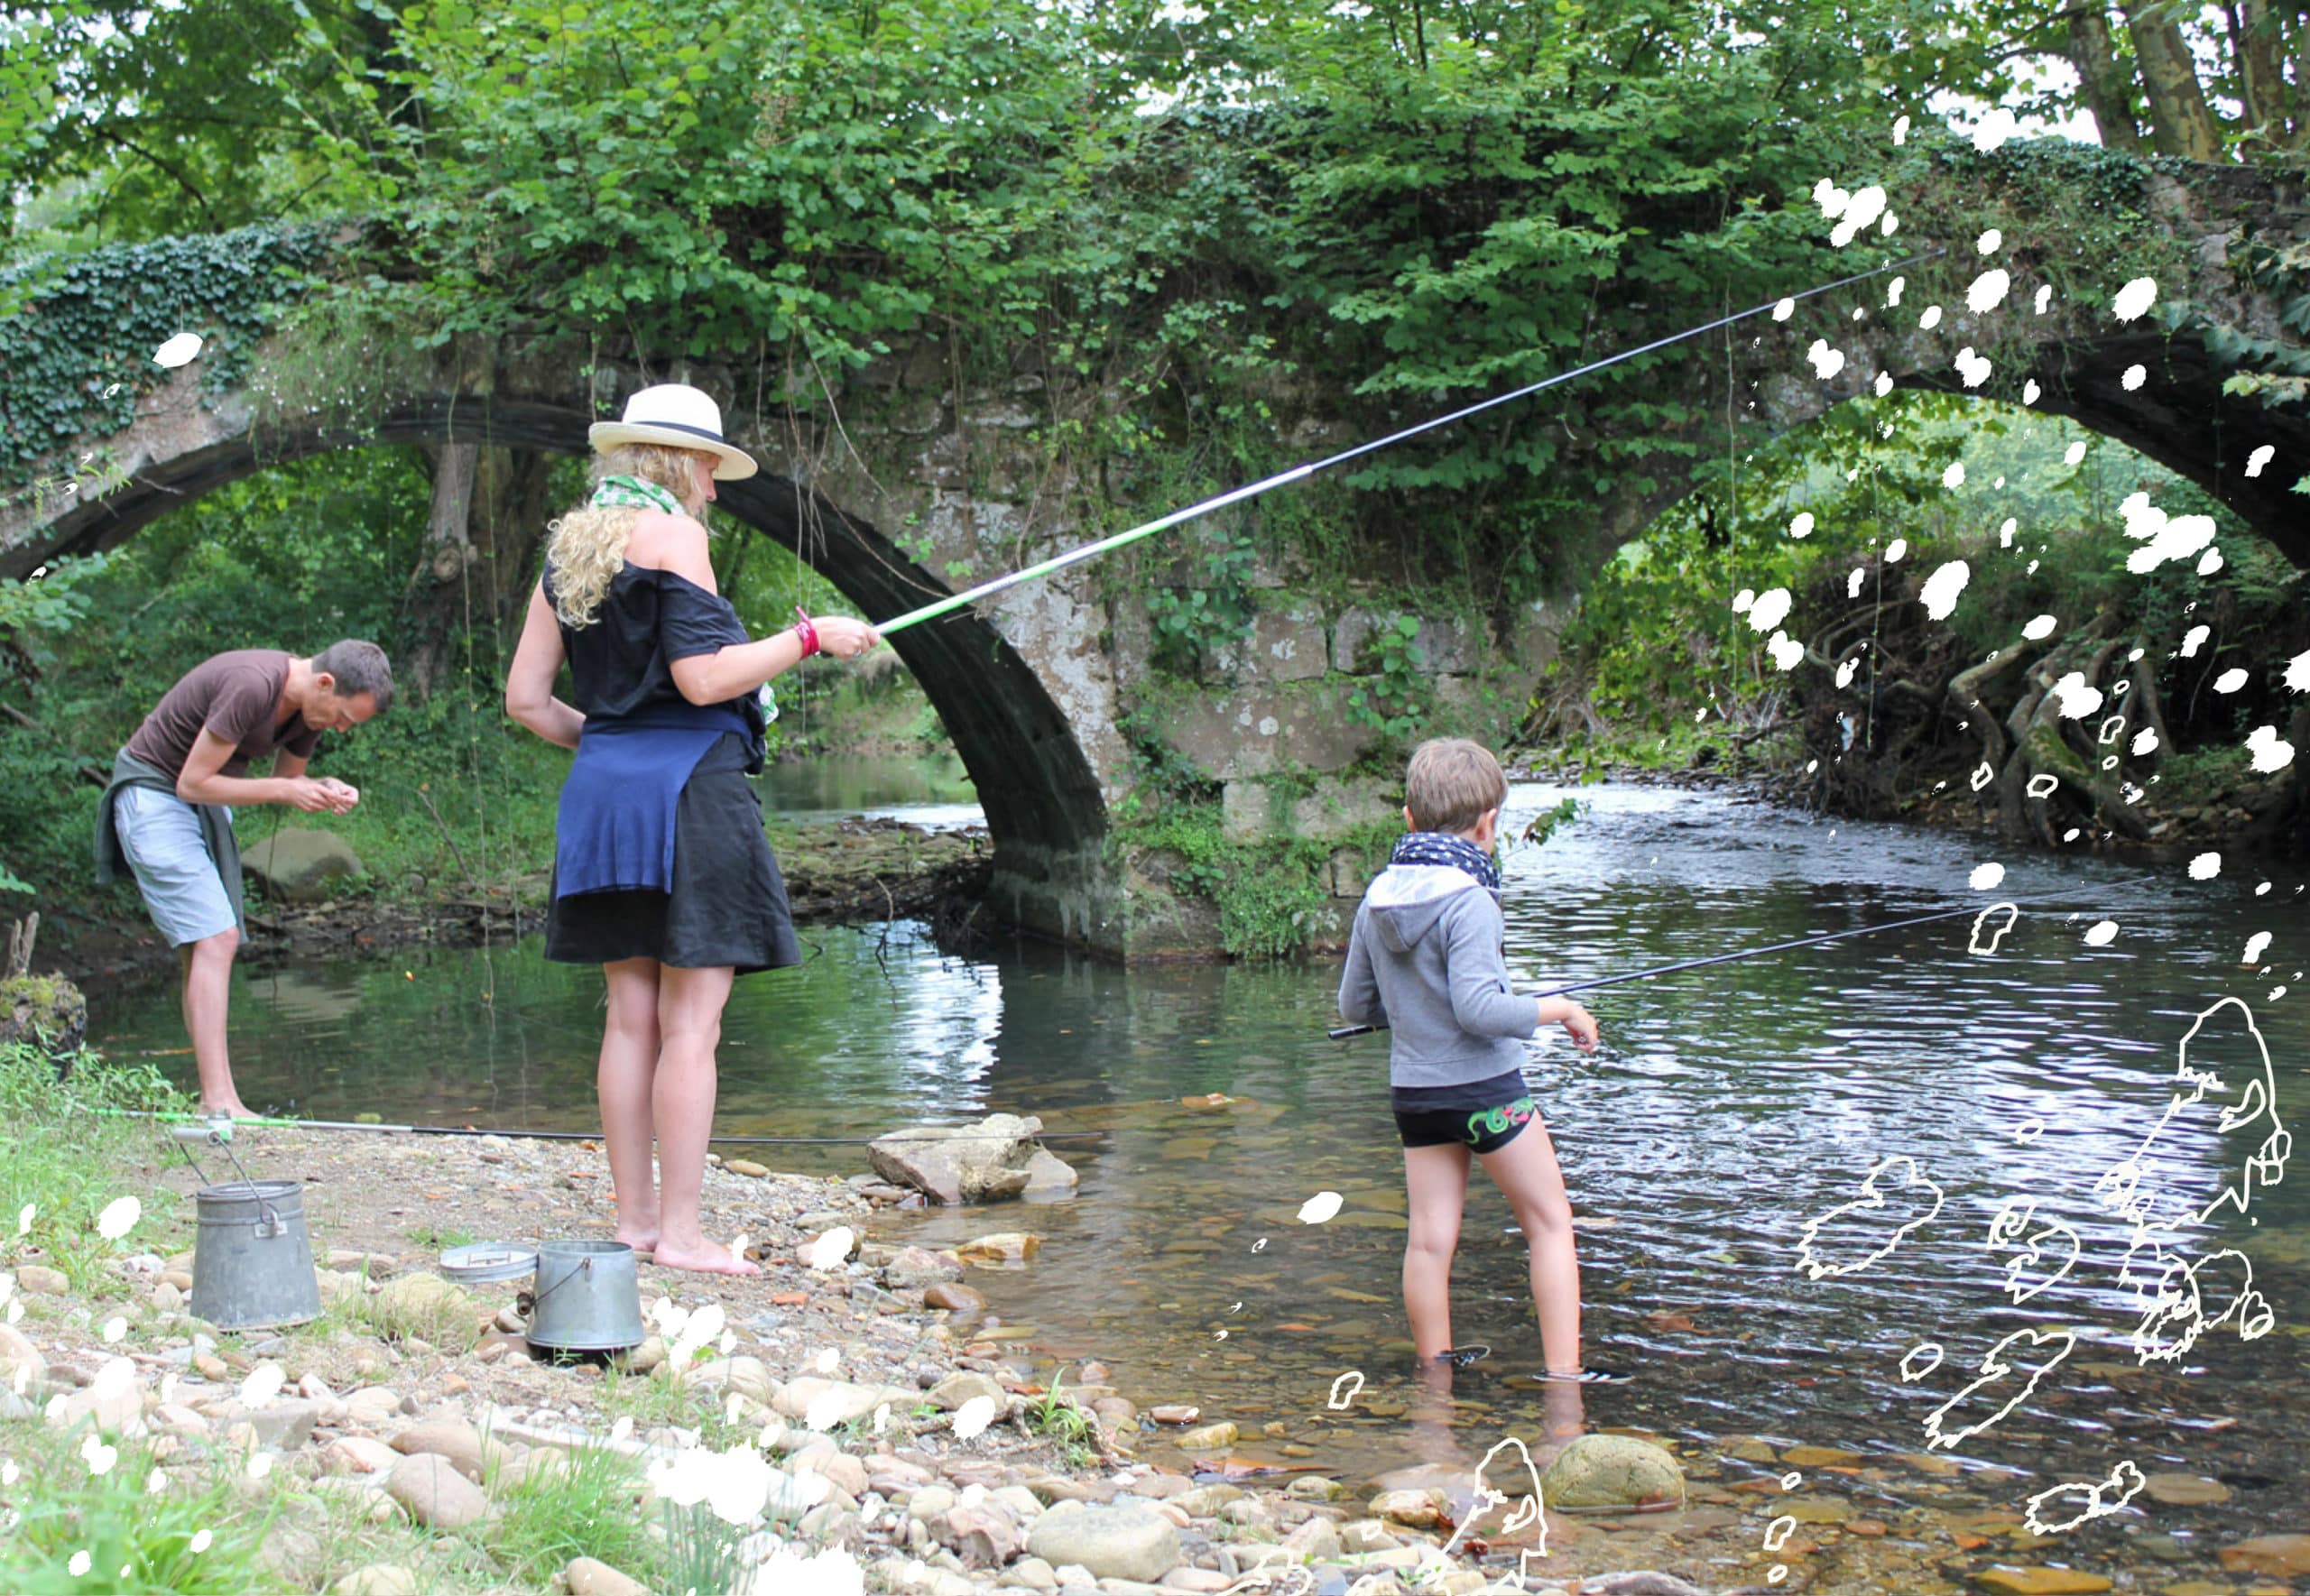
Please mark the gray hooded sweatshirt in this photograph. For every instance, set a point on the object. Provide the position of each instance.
(1424, 960)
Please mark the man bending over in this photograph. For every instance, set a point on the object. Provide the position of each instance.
(166, 813)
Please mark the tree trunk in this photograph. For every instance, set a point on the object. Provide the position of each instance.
(472, 580)
(2180, 122)
(2107, 87)
(2260, 49)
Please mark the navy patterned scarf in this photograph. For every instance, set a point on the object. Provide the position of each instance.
(1441, 847)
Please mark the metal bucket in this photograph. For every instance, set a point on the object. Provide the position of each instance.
(252, 1262)
(588, 1298)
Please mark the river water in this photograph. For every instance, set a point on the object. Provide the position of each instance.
(1728, 1108)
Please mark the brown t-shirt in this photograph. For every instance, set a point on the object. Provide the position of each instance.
(236, 695)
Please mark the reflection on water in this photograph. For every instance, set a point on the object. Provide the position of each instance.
(1727, 1108)
(934, 791)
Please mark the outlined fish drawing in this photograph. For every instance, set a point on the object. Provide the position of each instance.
(2084, 1500)
(2176, 1313)
(2223, 1083)
(1851, 1227)
(2025, 1268)
(1999, 1383)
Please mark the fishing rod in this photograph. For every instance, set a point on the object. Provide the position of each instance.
(1254, 490)
(1344, 1032)
(279, 1122)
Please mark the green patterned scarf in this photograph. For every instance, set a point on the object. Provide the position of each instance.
(633, 494)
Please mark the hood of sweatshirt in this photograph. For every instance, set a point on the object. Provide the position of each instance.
(1406, 901)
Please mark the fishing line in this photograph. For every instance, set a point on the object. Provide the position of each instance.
(1345, 1031)
(1254, 490)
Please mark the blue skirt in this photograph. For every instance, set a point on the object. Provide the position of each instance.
(727, 905)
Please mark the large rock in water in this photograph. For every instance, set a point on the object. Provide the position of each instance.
(297, 866)
(960, 1163)
(1613, 1471)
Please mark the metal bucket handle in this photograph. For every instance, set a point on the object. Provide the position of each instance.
(585, 1267)
(268, 1226)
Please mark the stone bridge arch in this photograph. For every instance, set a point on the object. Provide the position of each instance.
(1045, 804)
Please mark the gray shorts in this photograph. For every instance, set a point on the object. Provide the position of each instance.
(160, 835)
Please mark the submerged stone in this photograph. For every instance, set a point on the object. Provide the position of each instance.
(1613, 1471)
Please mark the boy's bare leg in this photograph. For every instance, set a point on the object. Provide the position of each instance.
(1526, 1171)
(1436, 1179)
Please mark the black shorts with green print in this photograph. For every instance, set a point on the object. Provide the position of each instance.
(1483, 1116)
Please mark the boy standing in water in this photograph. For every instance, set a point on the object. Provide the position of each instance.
(1425, 960)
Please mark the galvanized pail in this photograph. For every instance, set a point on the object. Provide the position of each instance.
(588, 1298)
(252, 1262)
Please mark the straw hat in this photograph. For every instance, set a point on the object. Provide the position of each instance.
(677, 416)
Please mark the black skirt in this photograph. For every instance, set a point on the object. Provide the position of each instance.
(728, 903)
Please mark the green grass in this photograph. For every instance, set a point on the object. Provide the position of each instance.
(586, 1510)
(71, 1150)
(136, 1541)
(434, 1240)
(1057, 1420)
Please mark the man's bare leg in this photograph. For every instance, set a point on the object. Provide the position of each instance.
(207, 996)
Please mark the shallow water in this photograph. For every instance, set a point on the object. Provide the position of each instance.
(1728, 1108)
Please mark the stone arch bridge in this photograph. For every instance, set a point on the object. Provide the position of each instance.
(919, 482)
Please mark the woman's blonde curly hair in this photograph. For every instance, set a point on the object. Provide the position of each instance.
(586, 548)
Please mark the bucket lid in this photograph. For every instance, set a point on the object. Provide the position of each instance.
(489, 1260)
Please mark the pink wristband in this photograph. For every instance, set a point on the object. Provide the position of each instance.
(808, 635)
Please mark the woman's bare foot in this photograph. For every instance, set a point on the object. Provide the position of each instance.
(232, 1108)
(640, 1237)
(703, 1258)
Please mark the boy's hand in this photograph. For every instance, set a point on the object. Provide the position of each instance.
(1581, 1027)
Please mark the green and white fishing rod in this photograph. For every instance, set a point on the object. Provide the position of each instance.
(955, 601)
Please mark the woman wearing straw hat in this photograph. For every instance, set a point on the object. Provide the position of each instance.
(661, 872)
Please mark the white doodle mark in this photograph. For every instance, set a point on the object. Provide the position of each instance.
(2176, 1316)
(1972, 369)
(119, 1218)
(1983, 774)
(2012, 914)
(2091, 1500)
(2042, 785)
(2260, 458)
(2270, 752)
(1986, 876)
(1941, 590)
(1320, 1207)
(1800, 525)
(2029, 1130)
(1872, 1200)
(1770, 609)
(1996, 1379)
(2134, 377)
(1528, 1514)
(1827, 361)
(2134, 300)
(1930, 319)
(2100, 933)
(829, 1251)
(2205, 867)
(177, 351)
(2255, 945)
(1954, 475)
(1989, 243)
(1340, 1403)
(2009, 1232)
(1784, 310)
(971, 1418)
(2160, 1192)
